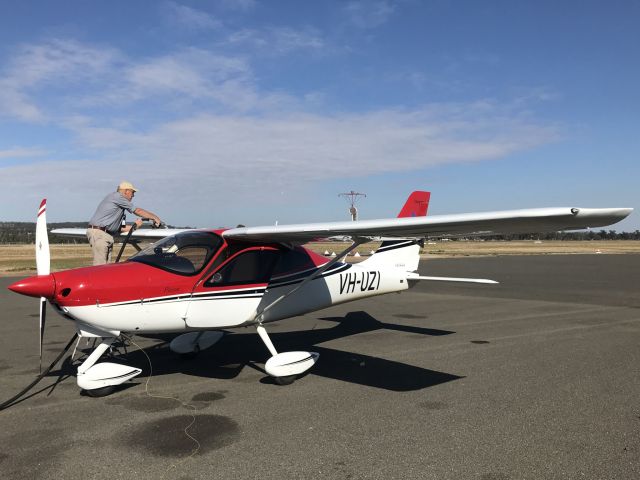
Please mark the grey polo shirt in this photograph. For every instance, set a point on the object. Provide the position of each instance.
(110, 212)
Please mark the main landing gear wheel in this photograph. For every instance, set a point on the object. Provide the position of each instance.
(285, 367)
(101, 392)
(288, 380)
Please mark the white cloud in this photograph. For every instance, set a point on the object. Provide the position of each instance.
(243, 5)
(84, 77)
(188, 17)
(44, 66)
(188, 166)
(278, 40)
(191, 77)
(35, 64)
(229, 140)
(15, 104)
(192, 72)
(103, 137)
(22, 152)
(195, 78)
(369, 14)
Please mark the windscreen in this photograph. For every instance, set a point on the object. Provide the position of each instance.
(185, 253)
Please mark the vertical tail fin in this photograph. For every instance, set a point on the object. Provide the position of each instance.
(399, 253)
(416, 205)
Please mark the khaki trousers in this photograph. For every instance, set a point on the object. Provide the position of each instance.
(101, 244)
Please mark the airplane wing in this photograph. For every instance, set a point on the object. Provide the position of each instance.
(477, 224)
(139, 234)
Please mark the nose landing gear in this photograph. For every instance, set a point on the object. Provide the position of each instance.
(98, 380)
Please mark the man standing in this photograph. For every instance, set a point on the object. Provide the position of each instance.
(107, 221)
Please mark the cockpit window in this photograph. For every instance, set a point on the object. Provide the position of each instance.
(250, 267)
(184, 253)
(293, 262)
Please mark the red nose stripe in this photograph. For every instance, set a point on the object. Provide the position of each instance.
(38, 286)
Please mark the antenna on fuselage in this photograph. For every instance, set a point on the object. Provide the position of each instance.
(352, 198)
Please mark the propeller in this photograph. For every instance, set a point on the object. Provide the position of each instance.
(43, 263)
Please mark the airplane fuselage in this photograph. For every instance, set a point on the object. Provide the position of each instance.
(184, 310)
(139, 297)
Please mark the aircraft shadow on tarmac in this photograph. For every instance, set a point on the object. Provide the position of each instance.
(226, 359)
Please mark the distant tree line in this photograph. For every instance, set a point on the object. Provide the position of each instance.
(24, 232)
(580, 235)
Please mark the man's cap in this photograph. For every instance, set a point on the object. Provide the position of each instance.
(124, 185)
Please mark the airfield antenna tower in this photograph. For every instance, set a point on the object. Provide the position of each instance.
(352, 198)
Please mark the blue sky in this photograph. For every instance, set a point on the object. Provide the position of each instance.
(247, 111)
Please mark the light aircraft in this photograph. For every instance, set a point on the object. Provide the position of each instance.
(199, 282)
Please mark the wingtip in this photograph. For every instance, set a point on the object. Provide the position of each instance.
(615, 214)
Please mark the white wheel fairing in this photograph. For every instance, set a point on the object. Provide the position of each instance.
(106, 374)
(290, 363)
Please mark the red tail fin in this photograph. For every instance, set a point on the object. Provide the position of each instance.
(416, 205)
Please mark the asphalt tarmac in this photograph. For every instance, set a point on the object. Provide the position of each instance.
(535, 378)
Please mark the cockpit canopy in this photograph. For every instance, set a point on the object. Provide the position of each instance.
(185, 253)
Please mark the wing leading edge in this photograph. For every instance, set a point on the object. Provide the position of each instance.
(487, 223)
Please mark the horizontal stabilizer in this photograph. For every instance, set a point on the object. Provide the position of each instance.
(453, 279)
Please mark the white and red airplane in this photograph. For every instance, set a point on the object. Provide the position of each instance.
(199, 282)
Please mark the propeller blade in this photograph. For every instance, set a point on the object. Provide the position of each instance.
(43, 263)
(43, 318)
(43, 258)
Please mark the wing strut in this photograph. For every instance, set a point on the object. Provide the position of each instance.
(356, 242)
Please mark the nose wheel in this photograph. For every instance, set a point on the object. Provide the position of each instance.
(100, 379)
(100, 392)
(288, 380)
